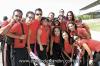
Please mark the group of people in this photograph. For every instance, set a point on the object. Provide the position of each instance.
(61, 39)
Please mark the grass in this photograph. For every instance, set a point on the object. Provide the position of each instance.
(94, 26)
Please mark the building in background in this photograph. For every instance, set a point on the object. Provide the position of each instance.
(91, 11)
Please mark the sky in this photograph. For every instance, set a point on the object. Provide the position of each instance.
(8, 6)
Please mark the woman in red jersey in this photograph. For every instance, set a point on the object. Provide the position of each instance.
(62, 22)
(88, 44)
(43, 39)
(81, 32)
(67, 48)
(56, 44)
(93, 45)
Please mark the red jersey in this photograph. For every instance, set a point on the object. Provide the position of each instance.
(82, 33)
(93, 44)
(34, 27)
(63, 26)
(17, 30)
(45, 34)
(56, 39)
(67, 48)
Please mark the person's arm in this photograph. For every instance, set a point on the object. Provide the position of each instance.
(48, 44)
(51, 46)
(28, 41)
(6, 28)
(38, 39)
(16, 36)
(72, 51)
(66, 54)
(86, 47)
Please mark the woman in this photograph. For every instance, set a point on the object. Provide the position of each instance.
(88, 44)
(67, 48)
(43, 39)
(56, 44)
(62, 22)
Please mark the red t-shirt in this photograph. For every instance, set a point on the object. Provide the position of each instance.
(34, 27)
(56, 39)
(82, 33)
(17, 30)
(45, 34)
(93, 44)
(63, 26)
(67, 47)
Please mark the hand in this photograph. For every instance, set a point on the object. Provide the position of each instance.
(41, 48)
(71, 60)
(90, 61)
(28, 49)
(51, 53)
(12, 21)
(22, 37)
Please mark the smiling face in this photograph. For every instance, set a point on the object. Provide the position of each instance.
(57, 31)
(29, 18)
(51, 15)
(69, 16)
(65, 35)
(60, 18)
(71, 27)
(38, 15)
(78, 41)
(17, 16)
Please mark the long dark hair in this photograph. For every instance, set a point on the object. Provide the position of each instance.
(69, 39)
(73, 25)
(73, 17)
(72, 38)
(61, 39)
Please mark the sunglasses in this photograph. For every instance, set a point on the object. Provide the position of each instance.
(38, 14)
